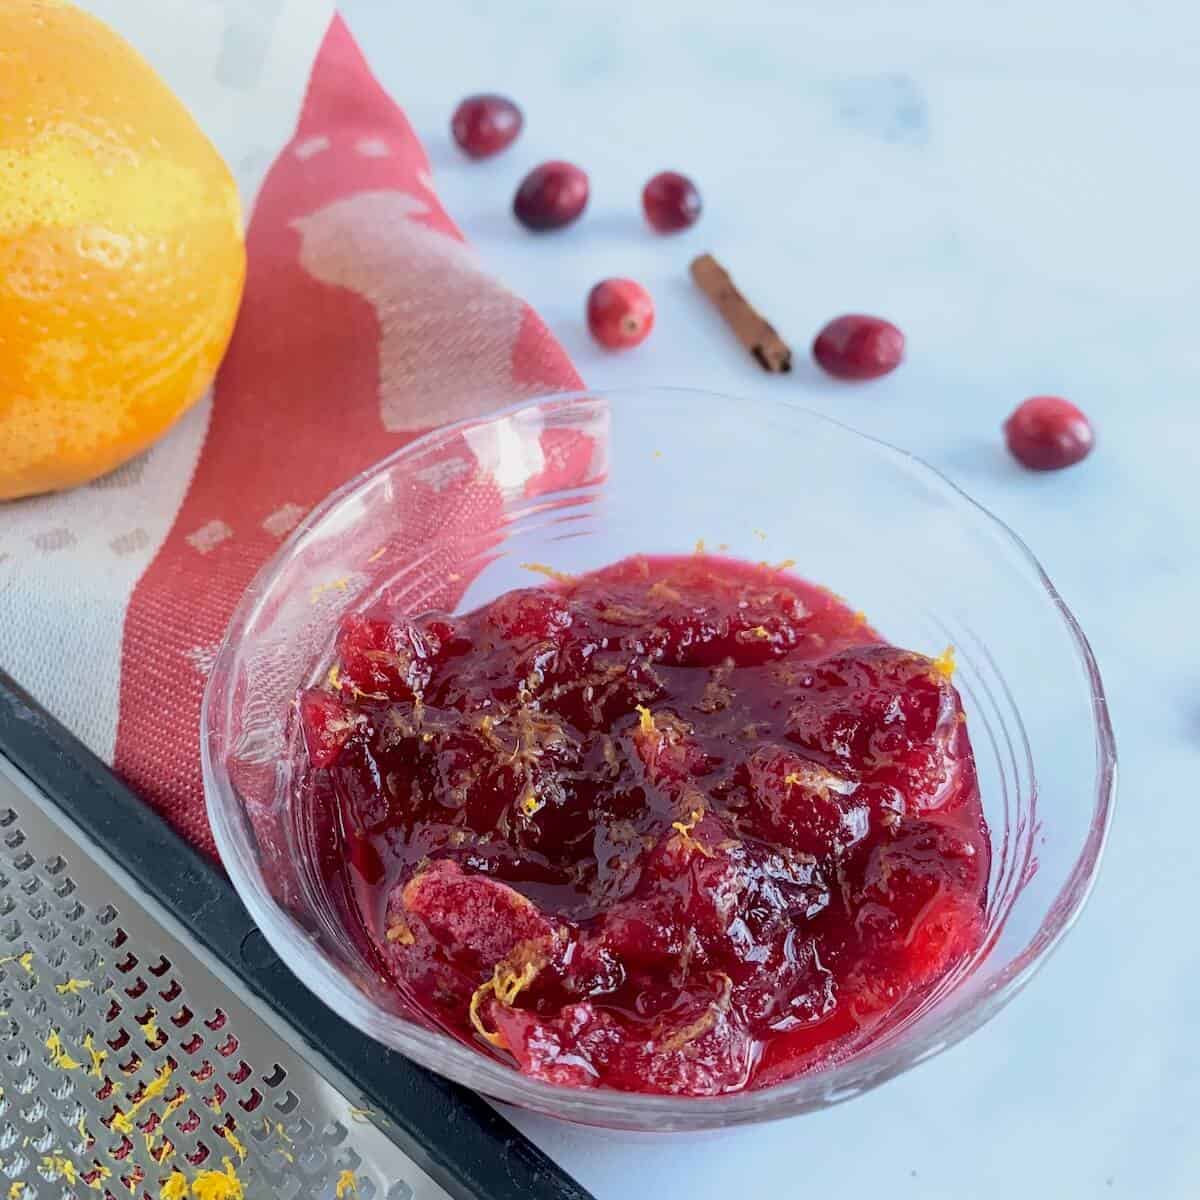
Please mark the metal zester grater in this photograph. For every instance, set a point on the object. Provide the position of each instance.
(153, 1046)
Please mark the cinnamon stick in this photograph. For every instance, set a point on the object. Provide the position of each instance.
(748, 324)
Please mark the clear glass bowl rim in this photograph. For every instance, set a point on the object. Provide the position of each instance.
(605, 1107)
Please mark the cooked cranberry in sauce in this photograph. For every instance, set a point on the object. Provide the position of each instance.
(682, 825)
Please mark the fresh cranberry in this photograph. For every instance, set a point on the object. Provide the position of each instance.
(859, 347)
(671, 201)
(485, 125)
(620, 313)
(551, 196)
(1047, 433)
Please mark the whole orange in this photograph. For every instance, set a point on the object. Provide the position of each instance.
(121, 250)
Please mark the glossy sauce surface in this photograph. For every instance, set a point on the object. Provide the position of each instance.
(682, 825)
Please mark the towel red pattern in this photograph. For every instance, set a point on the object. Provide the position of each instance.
(366, 321)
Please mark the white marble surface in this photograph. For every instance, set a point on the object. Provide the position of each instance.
(1017, 186)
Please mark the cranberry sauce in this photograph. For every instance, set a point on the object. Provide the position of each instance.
(683, 825)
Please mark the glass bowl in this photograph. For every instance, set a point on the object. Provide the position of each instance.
(578, 481)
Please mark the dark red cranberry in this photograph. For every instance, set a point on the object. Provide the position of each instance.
(1047, 433)
(485, 125)
(671, 201)
(859, 347)
(620, 313)
(551, 196)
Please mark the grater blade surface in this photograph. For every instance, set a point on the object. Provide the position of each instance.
(129, 1057)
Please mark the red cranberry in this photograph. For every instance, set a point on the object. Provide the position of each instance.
(671, 201)
(620, 313)
(551, 196)
(859, 347)
(485, 125)
(1047, 433)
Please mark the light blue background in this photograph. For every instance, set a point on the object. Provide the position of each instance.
(1018, 187)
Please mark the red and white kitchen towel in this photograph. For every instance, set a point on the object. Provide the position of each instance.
(366, 321)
